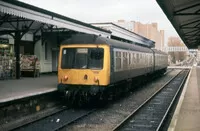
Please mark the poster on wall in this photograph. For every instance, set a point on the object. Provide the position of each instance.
(4, 46)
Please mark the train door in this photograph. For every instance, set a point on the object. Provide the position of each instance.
(55, 54)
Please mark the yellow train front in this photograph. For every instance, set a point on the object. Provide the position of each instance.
(84, 68)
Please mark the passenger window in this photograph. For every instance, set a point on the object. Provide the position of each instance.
(129, 59)
(125, 60)
(137, 58)
(118, 60)
(133, 60)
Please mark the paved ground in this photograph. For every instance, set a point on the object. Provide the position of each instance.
(189, 115)
(15, 89)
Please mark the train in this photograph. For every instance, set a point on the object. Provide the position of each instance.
(91, 65)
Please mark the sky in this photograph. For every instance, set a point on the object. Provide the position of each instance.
(93, 11)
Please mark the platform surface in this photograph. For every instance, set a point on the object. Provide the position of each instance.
(187, 117)
(25, 87)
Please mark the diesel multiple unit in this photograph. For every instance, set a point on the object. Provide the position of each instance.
(91, 64)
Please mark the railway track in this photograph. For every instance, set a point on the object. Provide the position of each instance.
(152, 113)
(56, 121)
(22, 111)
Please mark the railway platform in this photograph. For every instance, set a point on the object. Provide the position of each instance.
(187, 114)
(11, 90)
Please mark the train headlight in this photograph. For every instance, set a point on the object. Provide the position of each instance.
(65, 78)
(96, 79)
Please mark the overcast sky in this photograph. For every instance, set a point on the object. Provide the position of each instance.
(92, 11)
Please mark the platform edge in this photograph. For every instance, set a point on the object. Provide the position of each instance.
(173, 122)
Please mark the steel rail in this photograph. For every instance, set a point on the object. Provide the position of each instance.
(58, 125)
(34, 118)
(78, 118)
(122, 123)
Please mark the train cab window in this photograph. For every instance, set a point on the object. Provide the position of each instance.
(67, 58)
(96, 58)
(82, 58)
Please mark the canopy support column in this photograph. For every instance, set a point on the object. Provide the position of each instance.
(17, 53)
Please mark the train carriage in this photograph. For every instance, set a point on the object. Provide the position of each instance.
(161, 61)
(129, 61)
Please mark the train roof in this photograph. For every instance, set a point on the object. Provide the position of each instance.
(94, 39)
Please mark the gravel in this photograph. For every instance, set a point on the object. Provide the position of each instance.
(107, 118)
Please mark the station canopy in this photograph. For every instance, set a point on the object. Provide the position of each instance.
(122, 34)
(19, 16)
(185, 17)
